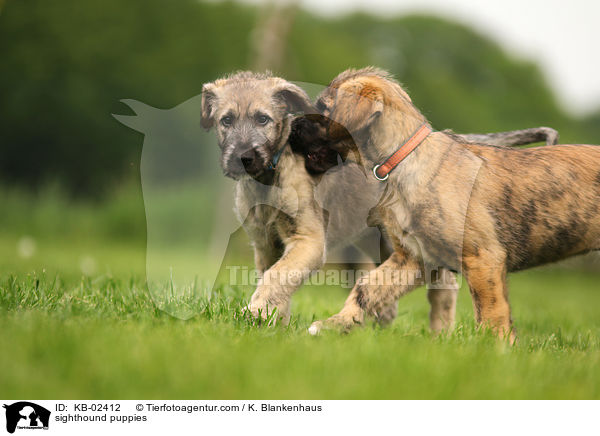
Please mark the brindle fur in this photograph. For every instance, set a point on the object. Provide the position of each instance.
(525, 207)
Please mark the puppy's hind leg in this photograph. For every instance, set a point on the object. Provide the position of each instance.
(489, 289)
(376, 294)
(442, 299)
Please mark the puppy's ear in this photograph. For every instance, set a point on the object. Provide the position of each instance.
(294, 98)
(402, 92)
(208, 100)
(357, 104)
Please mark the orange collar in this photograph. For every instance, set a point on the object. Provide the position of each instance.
(382, 171)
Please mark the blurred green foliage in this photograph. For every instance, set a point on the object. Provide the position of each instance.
(66, 64)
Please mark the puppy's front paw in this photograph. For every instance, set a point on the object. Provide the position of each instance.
(315, 328)
(270, 313)
(340, 322)
(259, 311)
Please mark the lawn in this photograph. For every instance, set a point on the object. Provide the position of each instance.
(77, 322)
(102, 337)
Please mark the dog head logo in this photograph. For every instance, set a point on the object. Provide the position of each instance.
(26, 415)
(188, 202)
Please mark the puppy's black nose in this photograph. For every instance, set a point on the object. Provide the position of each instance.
(248, 158)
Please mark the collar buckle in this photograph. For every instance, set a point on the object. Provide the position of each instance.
(381, 179)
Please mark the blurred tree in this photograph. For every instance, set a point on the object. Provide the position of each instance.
(269, 37)
(66, 64)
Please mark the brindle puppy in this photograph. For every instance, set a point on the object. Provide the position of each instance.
(475, 208)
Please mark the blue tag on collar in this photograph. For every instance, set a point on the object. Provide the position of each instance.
(276, 157)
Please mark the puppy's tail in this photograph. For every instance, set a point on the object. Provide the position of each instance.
(514, 138)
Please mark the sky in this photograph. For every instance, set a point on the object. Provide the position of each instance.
(562, 37)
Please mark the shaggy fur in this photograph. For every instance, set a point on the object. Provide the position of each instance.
(291, 231)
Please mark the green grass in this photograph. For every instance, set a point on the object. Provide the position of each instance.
(71, 331)
(102, 337)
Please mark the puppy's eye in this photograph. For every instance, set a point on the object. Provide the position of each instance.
(262, 119)
(226, 121)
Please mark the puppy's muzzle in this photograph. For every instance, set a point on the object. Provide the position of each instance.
(245, 160)
(249, 159)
